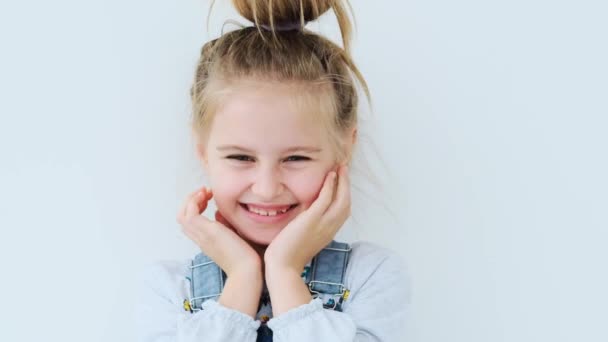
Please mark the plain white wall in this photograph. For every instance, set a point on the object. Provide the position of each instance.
(490, 116)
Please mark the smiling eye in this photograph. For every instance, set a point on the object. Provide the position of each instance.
(240, 157)
(297, 158)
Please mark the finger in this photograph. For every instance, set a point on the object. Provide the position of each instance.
(320, 205)
(221, 219)
(194, 205)
(340, 207)
(182, 211)
(198, 203)
(339, 177)
(204, 200)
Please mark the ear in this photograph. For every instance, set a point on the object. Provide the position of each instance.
(354, 136)
(201, 153)
(351, 145)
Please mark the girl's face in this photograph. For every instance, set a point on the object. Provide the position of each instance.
(264, 156)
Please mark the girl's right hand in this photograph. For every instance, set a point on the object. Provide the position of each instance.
(217, 239)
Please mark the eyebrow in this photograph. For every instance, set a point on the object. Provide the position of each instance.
(308, 149)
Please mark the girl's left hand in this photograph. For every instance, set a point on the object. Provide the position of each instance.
(312, 230)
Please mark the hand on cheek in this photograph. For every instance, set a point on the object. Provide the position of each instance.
(217, 239)
(314, 228)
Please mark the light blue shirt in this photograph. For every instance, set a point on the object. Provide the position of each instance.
(376, 309)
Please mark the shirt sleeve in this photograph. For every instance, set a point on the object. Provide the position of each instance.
(160, 316)
(376, 310)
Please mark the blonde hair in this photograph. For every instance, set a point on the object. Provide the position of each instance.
(325, 73)
(265, 52)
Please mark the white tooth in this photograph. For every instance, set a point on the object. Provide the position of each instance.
(267, 213)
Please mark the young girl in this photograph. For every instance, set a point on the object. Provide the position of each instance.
(275, 120)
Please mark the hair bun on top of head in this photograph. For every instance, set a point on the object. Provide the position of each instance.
(289, 15)
(281, 12)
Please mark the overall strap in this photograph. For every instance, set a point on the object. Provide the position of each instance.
(207, 280)
(324, 275)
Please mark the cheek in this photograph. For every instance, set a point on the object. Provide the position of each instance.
(226, 187)
(306, 188)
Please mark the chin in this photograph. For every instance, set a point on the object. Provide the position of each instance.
(262, 238)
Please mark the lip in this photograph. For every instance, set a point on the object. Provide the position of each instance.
(268, 207)
(267, 219)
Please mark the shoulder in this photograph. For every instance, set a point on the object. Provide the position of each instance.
(164, 270)
(165, 278)
(368, 257)
(373, 268)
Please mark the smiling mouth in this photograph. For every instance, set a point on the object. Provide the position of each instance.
(263, 212)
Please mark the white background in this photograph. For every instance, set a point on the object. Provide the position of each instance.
(490, 117)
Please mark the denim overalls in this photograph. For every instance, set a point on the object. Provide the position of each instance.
(324, 275)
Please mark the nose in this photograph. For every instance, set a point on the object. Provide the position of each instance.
(267, 184)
